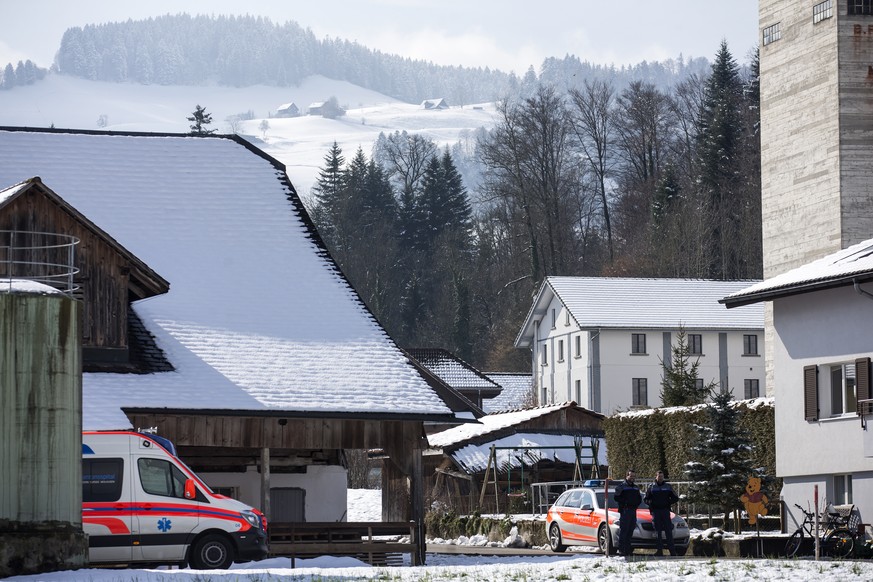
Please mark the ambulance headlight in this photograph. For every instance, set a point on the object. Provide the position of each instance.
(250, 517)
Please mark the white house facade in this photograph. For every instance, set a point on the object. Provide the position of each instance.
(822, 346)
(601, 342)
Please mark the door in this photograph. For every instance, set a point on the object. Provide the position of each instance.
(588, 518)
(287, 504)
(106, 509)
(164, 517)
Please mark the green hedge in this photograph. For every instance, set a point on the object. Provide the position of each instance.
(662, 438)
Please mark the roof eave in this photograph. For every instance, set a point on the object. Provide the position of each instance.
(796, 289)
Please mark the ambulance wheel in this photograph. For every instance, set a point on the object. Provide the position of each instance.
(212, 552)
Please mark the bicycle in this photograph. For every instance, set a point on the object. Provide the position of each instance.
(837, 539)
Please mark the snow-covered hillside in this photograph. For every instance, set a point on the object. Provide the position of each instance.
(300, 143)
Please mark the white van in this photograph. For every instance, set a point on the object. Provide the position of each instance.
(142, 505)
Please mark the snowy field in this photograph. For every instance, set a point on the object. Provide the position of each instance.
(582, 566)
(300, 143)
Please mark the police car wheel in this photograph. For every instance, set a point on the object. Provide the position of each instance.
(212, 552)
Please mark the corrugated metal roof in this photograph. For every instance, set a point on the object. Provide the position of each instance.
(834, 270)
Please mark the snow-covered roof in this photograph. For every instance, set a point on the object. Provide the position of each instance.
(493, 423)
(25, 286)
(474, 458)
(258, 317)
(637, 303)
(838, 269)
(514, 389)
(454, 371)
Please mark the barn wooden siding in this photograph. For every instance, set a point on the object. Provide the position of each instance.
(109, 276)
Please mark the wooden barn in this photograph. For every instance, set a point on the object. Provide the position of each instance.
(490, 466)
(249, 350)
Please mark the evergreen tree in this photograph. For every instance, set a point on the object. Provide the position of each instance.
(8, 77)
(719, 148)
(679, 385)
(200, 119)
(722, 461)
(327, 191)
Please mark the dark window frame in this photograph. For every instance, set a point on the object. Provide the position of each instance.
(751, 388)
(859, 7)
(695, 344)
(638, 343)
(822, 11)
(750, 344)
(771, 34)
(640, 391)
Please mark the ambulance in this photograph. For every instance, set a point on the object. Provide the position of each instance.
(143, 506)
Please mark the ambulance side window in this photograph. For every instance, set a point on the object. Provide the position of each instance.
(102, 479)
(161, 477)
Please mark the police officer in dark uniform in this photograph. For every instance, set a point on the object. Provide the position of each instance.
(628, 498)
(659, 497)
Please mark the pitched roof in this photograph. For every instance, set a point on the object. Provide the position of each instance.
(514, 389)
(637, 303)
(143, 281)
(454, 371)
(839, 269)
(259, 318)
(492, 423)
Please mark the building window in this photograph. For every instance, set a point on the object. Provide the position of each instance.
(545, 396)
(554, 318)
(842, 389)
(640, 392)
(545, 355)
(751, 389)
(698, 385)
(772, 34)
(638, 343)
(860, 7)
(750, 345)
(695, 344)
(560, 350)
(822, 10)
(578, 346)
(567, 317)
(578, 395)
(843, 490)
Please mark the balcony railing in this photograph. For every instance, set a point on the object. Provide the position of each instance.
(43, 257)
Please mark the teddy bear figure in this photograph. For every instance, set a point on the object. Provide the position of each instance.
(754, 500)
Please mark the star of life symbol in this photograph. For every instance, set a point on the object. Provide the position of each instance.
(164, 524)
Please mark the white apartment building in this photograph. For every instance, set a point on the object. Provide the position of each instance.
(601, 341)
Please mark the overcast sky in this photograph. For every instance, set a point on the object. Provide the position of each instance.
(509, 35)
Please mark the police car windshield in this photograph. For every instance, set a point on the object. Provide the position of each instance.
(612, 503)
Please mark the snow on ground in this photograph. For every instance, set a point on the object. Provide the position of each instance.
(365, 505)
(497, 569)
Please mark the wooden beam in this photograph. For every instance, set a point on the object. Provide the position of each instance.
(265, 482)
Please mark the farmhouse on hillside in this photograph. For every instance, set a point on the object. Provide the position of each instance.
(287, 110)
(601, 341)
(822, 345)
(435, 104)
(215, 314)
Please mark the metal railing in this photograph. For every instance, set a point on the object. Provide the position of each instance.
(42, 257)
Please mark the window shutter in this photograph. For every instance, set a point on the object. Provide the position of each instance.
(810, 392)
(862, 383)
